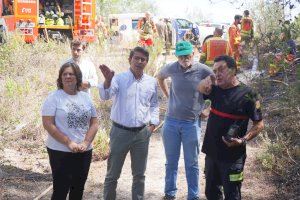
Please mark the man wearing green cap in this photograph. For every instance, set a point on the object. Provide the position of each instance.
(182, 118)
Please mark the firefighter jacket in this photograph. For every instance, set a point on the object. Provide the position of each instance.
(147, 28)
(247, 27)
(234, 33)
(214, 47)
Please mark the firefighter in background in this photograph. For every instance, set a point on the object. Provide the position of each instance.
(146, 29)
(247, 28)
(160, 27)
(164, 30)
(169, 33)
(234, 33)
(247, 33)
(114, 33)
(214, 47)
(101, 29)
(8, 7)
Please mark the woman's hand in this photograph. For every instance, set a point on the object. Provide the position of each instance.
(74, 147)
(83, 146)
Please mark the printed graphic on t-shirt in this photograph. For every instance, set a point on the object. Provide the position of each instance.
(77, 116)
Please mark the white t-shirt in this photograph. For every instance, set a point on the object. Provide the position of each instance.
(72, 116)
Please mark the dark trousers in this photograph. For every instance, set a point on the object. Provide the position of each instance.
(227, 174)
(121, 142)
(69, 173)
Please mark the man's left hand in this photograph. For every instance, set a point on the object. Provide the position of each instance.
(151, 128)
(234, 142)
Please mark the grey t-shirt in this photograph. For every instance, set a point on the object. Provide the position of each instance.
(185, 102)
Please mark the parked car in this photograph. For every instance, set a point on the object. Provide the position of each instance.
(207, 30)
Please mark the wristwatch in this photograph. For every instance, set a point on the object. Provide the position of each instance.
(244, 141)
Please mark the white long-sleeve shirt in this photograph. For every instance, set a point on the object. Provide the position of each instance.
(88, 71)
(135, 102)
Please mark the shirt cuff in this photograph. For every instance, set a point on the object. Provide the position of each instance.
(101, 86)
(154, 122)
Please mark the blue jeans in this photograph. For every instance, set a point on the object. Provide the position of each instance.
(174, 133)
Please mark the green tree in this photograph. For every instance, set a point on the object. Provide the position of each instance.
(106, 7)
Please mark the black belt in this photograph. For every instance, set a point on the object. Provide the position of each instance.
(133, 129)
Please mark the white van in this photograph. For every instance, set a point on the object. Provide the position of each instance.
(126, 25)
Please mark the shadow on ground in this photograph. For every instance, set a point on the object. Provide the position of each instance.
(21, 184)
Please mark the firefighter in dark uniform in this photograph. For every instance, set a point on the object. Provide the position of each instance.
(232, 105)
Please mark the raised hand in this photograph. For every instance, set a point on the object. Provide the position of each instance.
(108, 75)
(206, 84)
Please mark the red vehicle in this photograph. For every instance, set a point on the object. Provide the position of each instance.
(74, 18)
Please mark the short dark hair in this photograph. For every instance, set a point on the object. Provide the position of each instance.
(246, 12)
(77, 42)
(77, 73)
(141, 50)
(229, 61)
(237, 17)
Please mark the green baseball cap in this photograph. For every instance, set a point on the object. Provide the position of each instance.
(183, 48)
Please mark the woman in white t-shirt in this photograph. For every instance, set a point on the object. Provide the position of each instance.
(70, 119)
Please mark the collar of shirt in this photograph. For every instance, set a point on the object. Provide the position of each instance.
(192, 68)
(133, 77)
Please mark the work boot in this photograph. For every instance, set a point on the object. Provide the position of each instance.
(168, 197)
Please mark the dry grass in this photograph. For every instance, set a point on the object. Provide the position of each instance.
(281, 139)
(28, 72)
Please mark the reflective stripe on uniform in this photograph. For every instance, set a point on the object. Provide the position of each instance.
(227, 49)
(236, 177)
(208, 49)
(209, 62)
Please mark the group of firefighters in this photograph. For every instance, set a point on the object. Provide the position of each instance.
(240, 34)
(239, 43)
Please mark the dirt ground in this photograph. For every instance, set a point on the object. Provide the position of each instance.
(21, 183)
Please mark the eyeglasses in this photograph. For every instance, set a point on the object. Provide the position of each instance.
(185, 57)
(137, 58)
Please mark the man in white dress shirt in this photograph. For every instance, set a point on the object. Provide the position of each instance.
(134, 115)
(88, 70)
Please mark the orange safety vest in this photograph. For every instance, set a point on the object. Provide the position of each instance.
(214, 47)
(246, 26)
(234, 36)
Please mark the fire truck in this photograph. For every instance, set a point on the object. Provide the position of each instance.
(31, 18)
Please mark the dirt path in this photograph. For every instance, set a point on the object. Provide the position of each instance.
(256, 185)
